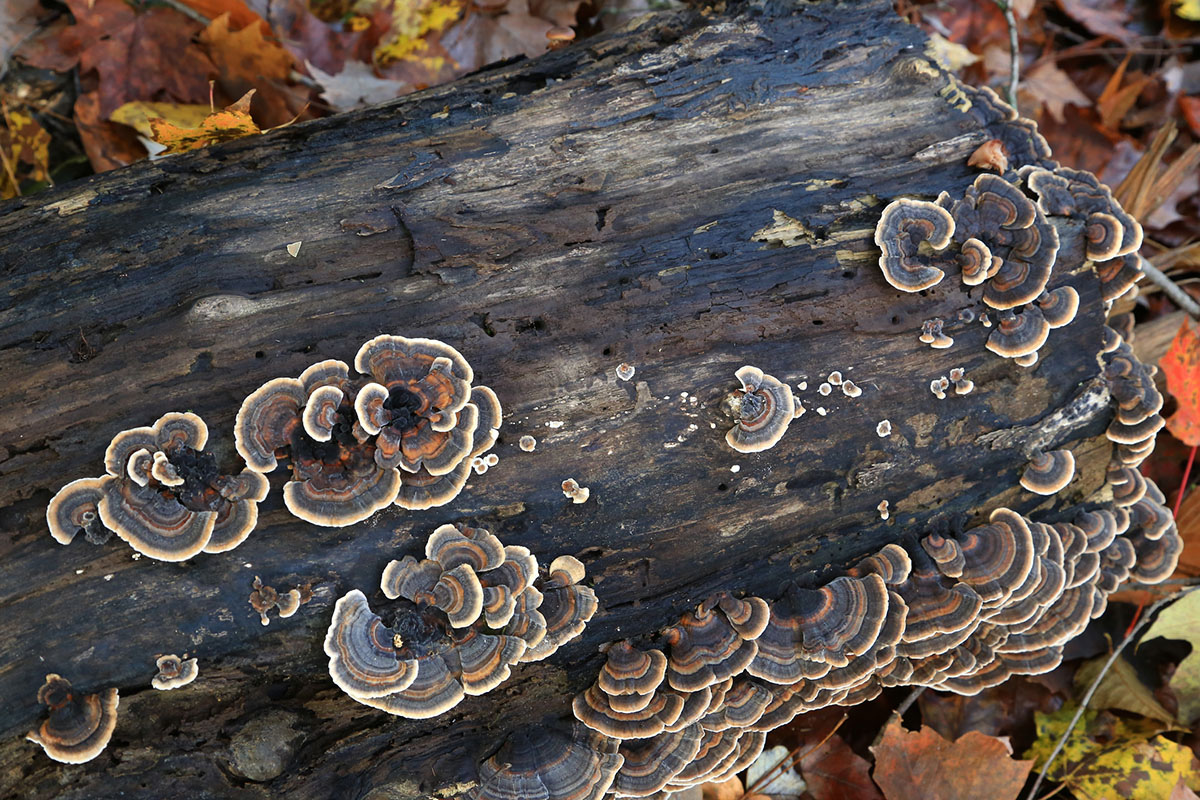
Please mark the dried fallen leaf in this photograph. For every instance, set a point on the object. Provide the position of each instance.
(918, 765)
(232, 122)
(726, 790)
(18, 19)
(1181, 620)
(990, 155)
(1105, 758)
(356, 86)
(1187, 521)
(1053, 88)
(1187, 9)
(1102, 17)
(1181, 367)
(1120, 688)
(835, 772)
(107, 144)
(245, 60)
(137, 56)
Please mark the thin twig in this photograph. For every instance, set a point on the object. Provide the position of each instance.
(1177, 295)
(1162, 586)
(904, 706)
(1087, 698)
(187, 11)
(1014, 53)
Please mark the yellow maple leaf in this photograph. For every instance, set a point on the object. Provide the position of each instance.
(1107, 757)
(232, 122)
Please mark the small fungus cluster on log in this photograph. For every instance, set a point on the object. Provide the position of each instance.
(465, 614)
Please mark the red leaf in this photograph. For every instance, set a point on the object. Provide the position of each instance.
(835, 772)
(919, 765)
(1181, 367)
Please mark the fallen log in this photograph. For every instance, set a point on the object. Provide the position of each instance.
(693, 195)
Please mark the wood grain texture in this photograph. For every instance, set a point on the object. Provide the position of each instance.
(551, 219)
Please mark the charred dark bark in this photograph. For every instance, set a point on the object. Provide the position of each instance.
(688, 197)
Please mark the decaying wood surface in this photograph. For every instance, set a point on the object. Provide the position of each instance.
(612, 202)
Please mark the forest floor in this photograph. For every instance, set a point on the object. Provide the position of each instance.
(92, 85)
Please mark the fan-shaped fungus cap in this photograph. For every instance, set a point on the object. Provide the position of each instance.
(946, 553)
(763, 408)
(485, 659)
(152, 522)
(539, 761)
(1117, 276)
(747, 615)
(1025, 271)
(420, 490)
(79, 726)
(459, 594)
(977, 262)
(409, 578)
(892, 563)
(998, 555)
(566, 611)
(363, 660)
(174, 672)
(592, 708)
(321, 412)
(237, 518)
(651, 763)
(337, 499)
(1059, 306)
(435, 691)
(267, 421)
(1049, 473)
(742, 706)
(1103, 233)
(527, 622)
(717, 750)
(629, 670)
(902, 228)
(169, 431)
(476, 547)
(490, 419)
(1019, 334)
(704, 650)
(76, 507)
(564, 571)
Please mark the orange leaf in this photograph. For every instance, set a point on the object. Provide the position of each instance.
(245, 60)
(917, 765)
(230, 123)
(835, 772)
(1190, 106)
(1181, 367)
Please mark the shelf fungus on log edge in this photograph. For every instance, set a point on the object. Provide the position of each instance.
(457, 621)
(162, 494)
(957, 611)
(405, 433)
(79, 725)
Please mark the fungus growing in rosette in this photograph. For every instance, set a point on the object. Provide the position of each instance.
(903, 228)
(174, 672)
(1108, 231)
(762, 409)
(79, 726)
(542, 761)
(458, 621)
(162, 494)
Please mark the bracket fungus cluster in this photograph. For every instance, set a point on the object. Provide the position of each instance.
(458, 621)
(79, 725)
(1006, 241)
(162, 494)
(763, 408)
(406, 432)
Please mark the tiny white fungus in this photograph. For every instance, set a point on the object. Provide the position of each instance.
(824, 389)
(527, 443)
(821, 410)
(625, 371)
(293, 249)
(735, 468)
(883, 509)
(835, 378)
(850, 389)
(884, 429)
